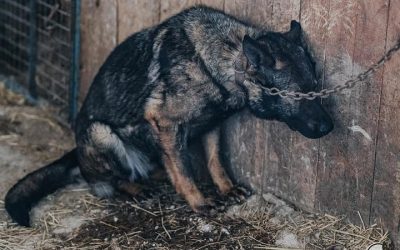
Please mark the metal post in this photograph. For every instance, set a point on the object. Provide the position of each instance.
(75, 57)
(32, 48)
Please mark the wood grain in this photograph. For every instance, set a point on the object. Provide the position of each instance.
(296, 163)
(218, 4)
(135, 15)
(99, 37)
(171, 7)
(386, 197)
(345, 170)
(290, 163)
(245, 136)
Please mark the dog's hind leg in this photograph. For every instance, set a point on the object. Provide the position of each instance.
(133, 189)
(107, 163)
(211, 144)
(142, 188)
(175, 157)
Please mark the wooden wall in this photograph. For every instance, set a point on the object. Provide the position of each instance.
(354, 170)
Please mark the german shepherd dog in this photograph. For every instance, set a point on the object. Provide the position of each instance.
(166, 85)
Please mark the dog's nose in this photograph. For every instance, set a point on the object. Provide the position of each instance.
(325, 128)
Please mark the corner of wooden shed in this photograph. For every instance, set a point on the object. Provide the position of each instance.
(355, 170)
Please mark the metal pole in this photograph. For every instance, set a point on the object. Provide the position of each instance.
(75, 57)
(32, 48)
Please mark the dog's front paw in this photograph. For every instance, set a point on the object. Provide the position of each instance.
(237, 195)
(147, 193)
(209, 208)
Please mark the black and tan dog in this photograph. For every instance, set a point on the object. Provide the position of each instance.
(171, 83)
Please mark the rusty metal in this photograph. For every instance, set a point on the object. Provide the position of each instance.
(324, 93)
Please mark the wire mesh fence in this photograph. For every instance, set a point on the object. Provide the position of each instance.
(38, 46)
(14, 39)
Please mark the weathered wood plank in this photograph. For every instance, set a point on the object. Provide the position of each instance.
(135, 15)
(258, 12)
(261, 12)
(386, 196)
(284, 12)
(236, 8)
(345, 170)
(218, 4)
(99, 37)
(290, 163)
(314, 18)
(245, 136)
(244, 148)
(171, 7)
(293, 156)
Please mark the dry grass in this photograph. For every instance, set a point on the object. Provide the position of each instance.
(10, 98)
(165, 222)
(333, 231)
(74, 219)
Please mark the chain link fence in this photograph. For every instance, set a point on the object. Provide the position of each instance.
(39, 49)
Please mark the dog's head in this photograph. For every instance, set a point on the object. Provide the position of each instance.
(280, 60)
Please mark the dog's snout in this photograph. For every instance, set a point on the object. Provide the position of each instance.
(314, 126)
(325, 127)
(320, 128)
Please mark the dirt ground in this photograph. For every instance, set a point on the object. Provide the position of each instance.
(74, 219)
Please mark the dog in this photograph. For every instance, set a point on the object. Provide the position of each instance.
(167, 85)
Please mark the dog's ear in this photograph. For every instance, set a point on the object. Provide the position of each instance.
(295, 32)
(255, 53)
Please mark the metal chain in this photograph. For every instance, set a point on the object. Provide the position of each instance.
(324, 93)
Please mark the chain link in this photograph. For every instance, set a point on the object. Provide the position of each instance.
(324, 93)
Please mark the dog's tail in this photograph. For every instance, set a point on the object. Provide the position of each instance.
(36, 185)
